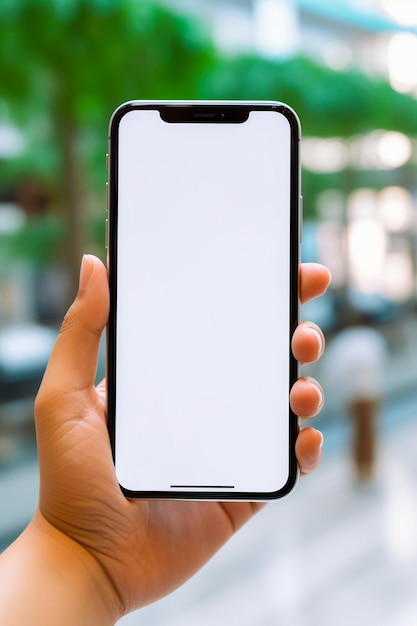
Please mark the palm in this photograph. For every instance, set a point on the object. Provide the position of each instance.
(181, 537)
(153, 546)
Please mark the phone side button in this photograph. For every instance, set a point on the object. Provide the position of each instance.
(106, 236)
(300, 219)
(107, 197)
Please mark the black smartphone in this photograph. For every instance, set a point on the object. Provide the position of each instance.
(203, 254)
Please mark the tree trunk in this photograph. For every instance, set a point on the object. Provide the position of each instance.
(73, 200)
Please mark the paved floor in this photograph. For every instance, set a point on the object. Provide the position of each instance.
(330, 554)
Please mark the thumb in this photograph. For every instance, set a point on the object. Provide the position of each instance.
(73, 362)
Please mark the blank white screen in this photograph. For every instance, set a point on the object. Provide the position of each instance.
(203, 304)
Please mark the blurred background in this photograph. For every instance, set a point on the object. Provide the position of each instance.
(343, 548)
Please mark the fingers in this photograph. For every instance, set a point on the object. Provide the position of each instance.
(309, 448)
(307, 342)
(313, 281)
(306, 397)
(73, 361)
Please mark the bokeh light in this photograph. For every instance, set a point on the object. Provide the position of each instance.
(402, 69)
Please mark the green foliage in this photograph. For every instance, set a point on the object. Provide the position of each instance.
(73, 62)
(329, 103)
(80, 58)
(37, 242)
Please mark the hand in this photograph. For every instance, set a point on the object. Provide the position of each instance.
(128, 553)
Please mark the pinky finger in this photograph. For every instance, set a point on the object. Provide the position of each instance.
(309, 450)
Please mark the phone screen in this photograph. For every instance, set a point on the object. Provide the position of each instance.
(203, 262)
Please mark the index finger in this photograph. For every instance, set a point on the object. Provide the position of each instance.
(314, 279)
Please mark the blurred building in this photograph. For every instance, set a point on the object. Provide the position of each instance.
(375, 35)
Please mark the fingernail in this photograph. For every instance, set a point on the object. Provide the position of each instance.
(317, 334)
(321, 438)
(318, 387)
(321, 399)
(85, 271)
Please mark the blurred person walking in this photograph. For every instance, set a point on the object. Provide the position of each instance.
(354, 367)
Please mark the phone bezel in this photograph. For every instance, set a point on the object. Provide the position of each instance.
(204, 112)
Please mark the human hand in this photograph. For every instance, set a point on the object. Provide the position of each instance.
(131, 552)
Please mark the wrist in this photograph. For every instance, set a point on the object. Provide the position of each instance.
(48, 578)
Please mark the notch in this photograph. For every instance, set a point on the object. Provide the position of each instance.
(204, 114)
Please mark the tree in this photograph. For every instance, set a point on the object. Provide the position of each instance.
(72, 62)
(329, 103)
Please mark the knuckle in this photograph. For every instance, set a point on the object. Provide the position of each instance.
(69, 321)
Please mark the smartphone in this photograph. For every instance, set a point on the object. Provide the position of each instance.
(203, 253)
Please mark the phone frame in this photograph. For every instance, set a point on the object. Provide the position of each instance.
(217, 112)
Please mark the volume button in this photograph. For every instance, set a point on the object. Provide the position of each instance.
(106, 236)
(300, 219)
(107, 197)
